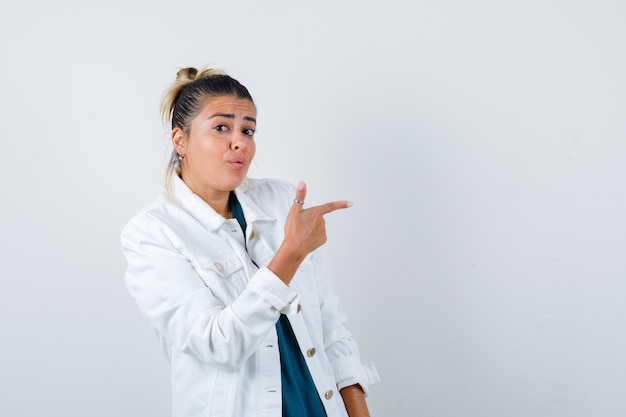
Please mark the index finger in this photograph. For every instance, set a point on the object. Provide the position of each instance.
(334, 205)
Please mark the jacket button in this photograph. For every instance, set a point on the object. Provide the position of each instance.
(311, 352)
(219, 266)
(252, 235)
(328, 395)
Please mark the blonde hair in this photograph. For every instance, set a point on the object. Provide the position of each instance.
(186, 97)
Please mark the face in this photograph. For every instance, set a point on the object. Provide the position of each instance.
(219, 147)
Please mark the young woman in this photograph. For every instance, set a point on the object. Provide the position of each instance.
(232, 274)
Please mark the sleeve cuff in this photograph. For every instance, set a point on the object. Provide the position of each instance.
(282, 297)
(349, 371)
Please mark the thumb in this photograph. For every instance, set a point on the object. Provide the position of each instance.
(300, 192)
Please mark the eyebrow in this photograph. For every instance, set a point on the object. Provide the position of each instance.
(232, 116)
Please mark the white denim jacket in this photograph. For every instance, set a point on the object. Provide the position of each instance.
(215, 312)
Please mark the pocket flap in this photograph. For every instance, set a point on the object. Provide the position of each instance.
(223, 266)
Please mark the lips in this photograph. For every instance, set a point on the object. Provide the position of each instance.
(238, 162)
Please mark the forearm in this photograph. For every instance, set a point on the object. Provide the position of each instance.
(354, 399)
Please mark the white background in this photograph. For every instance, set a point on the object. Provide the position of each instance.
(483, 144)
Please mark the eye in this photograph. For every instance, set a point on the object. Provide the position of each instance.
(248, 132)
(221, 128)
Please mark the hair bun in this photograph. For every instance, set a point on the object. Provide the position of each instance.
(186, 74)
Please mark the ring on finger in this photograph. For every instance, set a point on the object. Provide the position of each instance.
(298, 201)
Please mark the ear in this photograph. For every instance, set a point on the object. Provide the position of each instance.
(179, 140)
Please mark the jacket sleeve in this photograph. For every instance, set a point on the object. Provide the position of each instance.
(340, 346)
(184, 310)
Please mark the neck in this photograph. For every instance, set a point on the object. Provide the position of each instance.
(220, 205)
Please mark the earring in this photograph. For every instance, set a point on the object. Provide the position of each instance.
(180, 157)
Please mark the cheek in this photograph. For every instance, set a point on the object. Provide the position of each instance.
(207, 149)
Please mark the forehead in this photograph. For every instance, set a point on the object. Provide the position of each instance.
(238, 107)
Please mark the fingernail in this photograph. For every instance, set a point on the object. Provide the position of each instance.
(300, 186)
(349, 204)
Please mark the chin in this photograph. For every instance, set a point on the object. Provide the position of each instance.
(235, 183)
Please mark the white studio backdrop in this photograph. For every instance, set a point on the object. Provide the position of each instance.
(483, 144)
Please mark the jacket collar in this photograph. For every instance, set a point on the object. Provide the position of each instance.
(205, 214)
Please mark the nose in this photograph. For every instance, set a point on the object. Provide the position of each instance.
(238, 141)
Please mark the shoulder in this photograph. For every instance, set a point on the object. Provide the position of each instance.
(268, 188)
(266, 198)
(152, 219)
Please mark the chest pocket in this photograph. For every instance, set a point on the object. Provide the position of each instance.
(224, 275)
